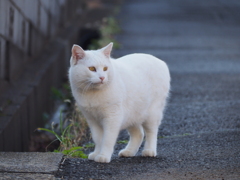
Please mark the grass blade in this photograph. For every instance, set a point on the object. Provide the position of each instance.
(57, 136)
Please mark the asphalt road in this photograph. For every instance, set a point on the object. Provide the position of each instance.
(200, 135)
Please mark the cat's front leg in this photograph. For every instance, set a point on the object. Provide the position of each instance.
(110, 132)
(97, 133)
(136, 136)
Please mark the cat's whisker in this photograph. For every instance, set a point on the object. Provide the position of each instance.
(81, 85)
(87, 86)
(108, 81)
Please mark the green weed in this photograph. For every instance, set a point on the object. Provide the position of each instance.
(122, 142)
(63, 93)
(179, 135)
(108, 29)
(89, 145)
(71, 130)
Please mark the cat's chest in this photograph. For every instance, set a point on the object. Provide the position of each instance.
(90, 102)
(95, 110)
(98, 107)
(92, 113)
(93, 101)
(91, 108)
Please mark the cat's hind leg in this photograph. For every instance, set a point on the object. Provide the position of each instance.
(136, 136)
(151, 131)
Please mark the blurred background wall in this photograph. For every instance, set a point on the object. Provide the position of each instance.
(35, 42)
(25, 26)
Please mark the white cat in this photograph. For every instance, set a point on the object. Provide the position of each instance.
(114, 94)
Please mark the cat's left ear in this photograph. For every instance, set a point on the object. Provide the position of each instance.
(77, 53)
(107, 50)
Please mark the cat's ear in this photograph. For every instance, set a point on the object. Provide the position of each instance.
(77, 53)
(107, 50)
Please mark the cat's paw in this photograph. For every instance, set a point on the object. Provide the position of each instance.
(126, 153)
(102, 158)
(92, 155)
(149, 153)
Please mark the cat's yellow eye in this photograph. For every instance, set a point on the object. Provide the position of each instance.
(105, 68)
(92, 68)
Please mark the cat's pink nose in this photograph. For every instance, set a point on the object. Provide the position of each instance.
(102, 78)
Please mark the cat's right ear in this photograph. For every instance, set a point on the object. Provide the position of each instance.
(77, 53)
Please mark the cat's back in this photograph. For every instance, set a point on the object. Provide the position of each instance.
(143, 65)
(142, 61)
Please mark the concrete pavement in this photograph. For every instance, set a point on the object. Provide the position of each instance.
(25, 165)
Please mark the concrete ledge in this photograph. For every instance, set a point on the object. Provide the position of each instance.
(9, 176)
(35, 162)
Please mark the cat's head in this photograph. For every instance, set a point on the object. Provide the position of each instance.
(90, 69)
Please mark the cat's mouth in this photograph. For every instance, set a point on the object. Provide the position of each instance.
(99, 83)
(91, 85)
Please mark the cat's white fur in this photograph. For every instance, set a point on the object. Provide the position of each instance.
(131, 94)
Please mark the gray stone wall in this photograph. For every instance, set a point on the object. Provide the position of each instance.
(35, 43)
(24, 27)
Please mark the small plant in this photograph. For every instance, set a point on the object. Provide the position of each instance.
(57, 94)
(70, 131)
(107, 30)
(63, 93)
(68, 140)
(89, 145)
(179, 135)
(74, 152)
(122, 142)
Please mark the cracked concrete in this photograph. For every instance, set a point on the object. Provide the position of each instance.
(25, 165)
